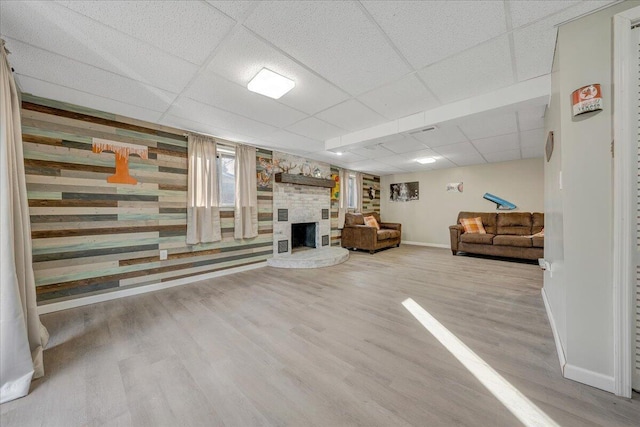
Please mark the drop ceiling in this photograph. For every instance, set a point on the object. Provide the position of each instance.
(358, 65)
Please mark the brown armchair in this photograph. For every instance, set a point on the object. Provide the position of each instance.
(357, 235)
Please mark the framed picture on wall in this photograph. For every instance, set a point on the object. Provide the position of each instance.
(404, 192)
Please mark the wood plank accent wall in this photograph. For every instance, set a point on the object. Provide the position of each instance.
(90, 236)
(369, 205)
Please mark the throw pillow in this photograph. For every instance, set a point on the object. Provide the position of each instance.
(370, 221)
(472, 225)
(540, 234)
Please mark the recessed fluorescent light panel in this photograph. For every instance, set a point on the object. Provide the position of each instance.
(426, 160)
(270, 84)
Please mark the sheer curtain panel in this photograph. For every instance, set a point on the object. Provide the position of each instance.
(22, 336)
(246, 207)
(343, 196)
(203, 211)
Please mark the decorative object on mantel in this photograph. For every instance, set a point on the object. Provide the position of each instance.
(586, 99)
(286, 178)
(501, 204)
(455, 187)
(404, 192)
(549, 147)
(122, 151)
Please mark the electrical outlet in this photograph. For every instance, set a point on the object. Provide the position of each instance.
(163, 254)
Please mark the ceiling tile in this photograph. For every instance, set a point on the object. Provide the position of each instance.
(525, 12)
(236, 9)
(468, 159)
(333, 158)
(351, 115)
(373, 167)
(442, 135)
(474, 72)
(485, 125)
(316, 129)
(497, 143)
(534, 47)
(401, 98)
(187, 29)
(457, 150)
(242, 55)
(403, 144)
(372, 152)
(442, 164)
(86, 41)
(56, 69)
(214, 90)
(532, 152)
(531, 118)
(535, 44)
(72, 96)
(533, 138)
(502, 156)
(203, 113)
(204, 128)
(287, 140)
(450, 27)
(334, 38)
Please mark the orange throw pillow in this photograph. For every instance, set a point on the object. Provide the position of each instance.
(370, 221)
(472, 225)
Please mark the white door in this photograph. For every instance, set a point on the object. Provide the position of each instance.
(636, 377)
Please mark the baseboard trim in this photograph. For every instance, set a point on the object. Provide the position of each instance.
(431, 245)
(594, 379)
(126, 292)
(556, 337)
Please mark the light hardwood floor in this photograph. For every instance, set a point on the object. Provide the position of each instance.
(324, 347)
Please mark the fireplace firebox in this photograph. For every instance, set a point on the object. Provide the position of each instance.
(303, 235)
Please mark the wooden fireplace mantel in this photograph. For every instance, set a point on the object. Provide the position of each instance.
(287, 178)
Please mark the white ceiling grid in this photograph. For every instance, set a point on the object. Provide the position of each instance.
(356, 64)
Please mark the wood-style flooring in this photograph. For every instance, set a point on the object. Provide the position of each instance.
(324, 347)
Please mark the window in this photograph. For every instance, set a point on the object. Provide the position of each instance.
(352, 195)
(226, 176)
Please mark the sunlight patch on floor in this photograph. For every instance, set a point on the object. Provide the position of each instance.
(524, 409)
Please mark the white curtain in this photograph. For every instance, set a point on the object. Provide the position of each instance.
(246, 208)
(23, 337)
(343, 197)
(203, 211)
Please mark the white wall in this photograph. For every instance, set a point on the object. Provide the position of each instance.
(427, 220)
(582, 293)
(554, 212)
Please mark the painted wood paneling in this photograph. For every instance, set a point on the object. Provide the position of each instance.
(90, 236)
(370, 205)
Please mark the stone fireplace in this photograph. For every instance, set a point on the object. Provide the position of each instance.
(295, 204)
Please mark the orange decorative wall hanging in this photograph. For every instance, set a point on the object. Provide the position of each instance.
(122, 151)
(586, 99)
(335, 191)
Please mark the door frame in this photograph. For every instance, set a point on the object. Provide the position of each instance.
(624, 199)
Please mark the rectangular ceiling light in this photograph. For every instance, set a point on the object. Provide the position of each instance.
(426, 160)
(270, 84)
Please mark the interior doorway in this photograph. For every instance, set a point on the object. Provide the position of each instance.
(626, 211)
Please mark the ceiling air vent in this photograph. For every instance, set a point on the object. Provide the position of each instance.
(427, 129)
